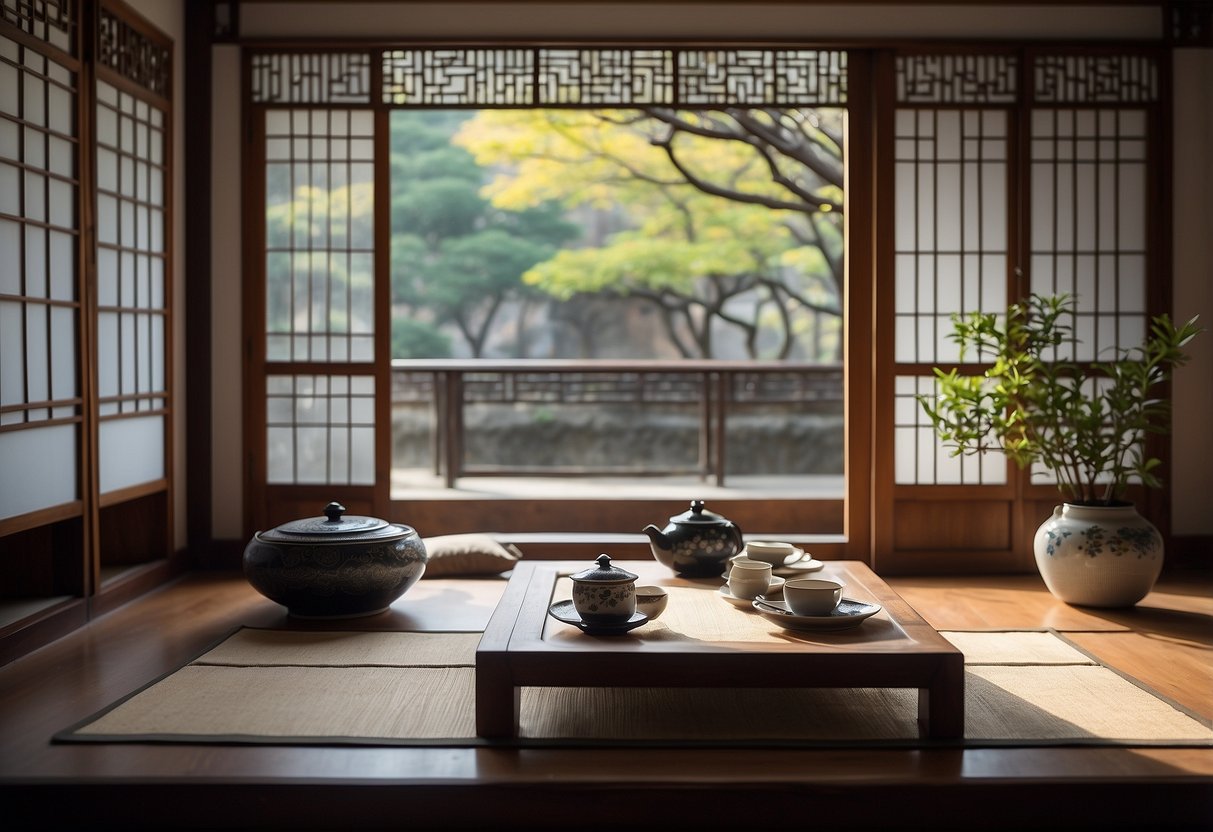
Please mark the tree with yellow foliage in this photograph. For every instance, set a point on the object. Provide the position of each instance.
(726, 218)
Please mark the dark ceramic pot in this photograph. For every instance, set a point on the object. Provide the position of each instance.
(696, 543)
(335, 566)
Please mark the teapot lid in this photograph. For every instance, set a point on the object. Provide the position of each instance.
(333, 527)
(605, 573)
(698, 514)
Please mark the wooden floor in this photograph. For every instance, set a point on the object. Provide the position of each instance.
(1167, 642)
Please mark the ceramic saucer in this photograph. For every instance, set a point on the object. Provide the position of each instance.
(806, 563)
(848, 614)
(796, 555)
(566, 612)
(775, 587)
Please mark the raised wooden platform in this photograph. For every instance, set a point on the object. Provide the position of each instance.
(1166, 642)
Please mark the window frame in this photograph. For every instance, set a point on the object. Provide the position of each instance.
(867, 512)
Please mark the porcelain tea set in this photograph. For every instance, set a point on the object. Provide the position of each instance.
(765, 576)
(794, 603)
(606, 600)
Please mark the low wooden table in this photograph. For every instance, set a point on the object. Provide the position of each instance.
(523, 646)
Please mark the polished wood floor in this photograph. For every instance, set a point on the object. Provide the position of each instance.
(1166, 641)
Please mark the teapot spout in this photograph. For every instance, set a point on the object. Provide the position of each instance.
(658, 538)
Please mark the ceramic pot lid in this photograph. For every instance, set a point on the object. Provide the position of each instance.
(698, 514)
(604, 573)
(335, 528)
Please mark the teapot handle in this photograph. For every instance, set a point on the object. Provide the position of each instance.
(738, 542)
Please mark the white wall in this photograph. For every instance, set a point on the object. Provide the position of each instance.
(1192, 476)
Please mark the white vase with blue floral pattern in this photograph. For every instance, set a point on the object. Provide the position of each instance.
(1098, 556)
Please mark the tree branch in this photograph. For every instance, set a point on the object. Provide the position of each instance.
(761, 138)
(829, 168)
(725, 193)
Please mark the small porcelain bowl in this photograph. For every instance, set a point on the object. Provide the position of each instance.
(651, 600)
(774, 552)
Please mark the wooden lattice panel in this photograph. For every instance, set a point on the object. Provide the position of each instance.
(133, 55)
(523, 76)
(52, 21)
(948, 78)
(1091, 79)
(311, 78)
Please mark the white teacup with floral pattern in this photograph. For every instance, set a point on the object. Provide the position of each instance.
(604, 594)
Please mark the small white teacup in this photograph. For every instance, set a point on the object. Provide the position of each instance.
(749, 578)
(728, 564)
(812, 596)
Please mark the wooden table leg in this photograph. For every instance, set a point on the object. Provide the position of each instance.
(941, 706)
(498, 700)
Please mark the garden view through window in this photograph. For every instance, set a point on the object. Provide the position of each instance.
(637, 249)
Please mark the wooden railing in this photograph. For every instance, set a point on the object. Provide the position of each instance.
(715, 388)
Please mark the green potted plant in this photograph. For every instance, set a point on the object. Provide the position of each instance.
(1085, 423)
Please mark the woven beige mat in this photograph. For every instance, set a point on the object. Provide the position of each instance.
(251, 646)
(227, 702)
(1016, 647)
(1046, 703)
(282, 687)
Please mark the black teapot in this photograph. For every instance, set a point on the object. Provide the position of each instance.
(696, 543)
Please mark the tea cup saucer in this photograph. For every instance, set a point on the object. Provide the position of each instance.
(775, 587)
(804, 564)
(565, 611)
(794, 556)
(849, 613)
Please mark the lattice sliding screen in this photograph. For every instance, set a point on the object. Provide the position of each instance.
(132, 255)
(951, 155)
(1088, 232)
(1089, 158)
(321, 429)
(1086, 160)
(319, 240)
(319, 294)
(40, 396)
(951, 245)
